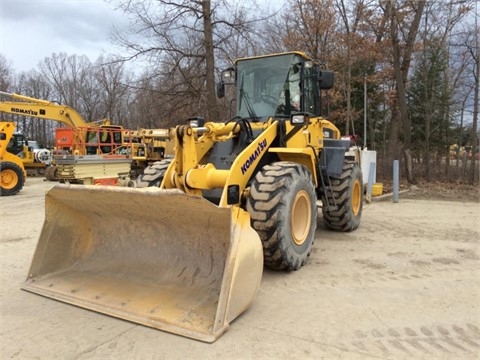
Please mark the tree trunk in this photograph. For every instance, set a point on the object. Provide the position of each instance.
(407, 153)
(210, 62)
(393, 147)
(401, 63)
(475, 143)
(349, 71)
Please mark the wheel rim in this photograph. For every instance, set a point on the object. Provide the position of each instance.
(9, 179)
(356, 198)
(300, 218)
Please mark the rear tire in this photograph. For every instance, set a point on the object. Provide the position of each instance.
(283, 211)
(153, 174)
(51, 173)
(348, 194)
(12, 178)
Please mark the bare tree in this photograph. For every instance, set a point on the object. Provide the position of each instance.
(404, 24)
(5, 74)
(94, 90)
(67, 75)
(184, 35)
(33, 84)
(112, 80)
(474, 49)
(305, 25)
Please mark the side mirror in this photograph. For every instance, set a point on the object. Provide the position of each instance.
(227, 78)
(220, 89)
(325, 79)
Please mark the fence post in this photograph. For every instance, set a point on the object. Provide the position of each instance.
(371, 175)
(395, 181)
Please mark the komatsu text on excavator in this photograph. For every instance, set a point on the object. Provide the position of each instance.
(186, 254)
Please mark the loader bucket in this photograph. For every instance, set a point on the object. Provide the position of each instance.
(156, 257)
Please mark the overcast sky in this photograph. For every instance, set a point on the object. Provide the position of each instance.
(31, 30)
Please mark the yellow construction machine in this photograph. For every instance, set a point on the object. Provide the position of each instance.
(12, 171)
(35, 159)
(187, 256)
(78, 155)
(147, 147)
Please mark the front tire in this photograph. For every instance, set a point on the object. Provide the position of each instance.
(347, 191)
(283, 211)
(153, 174)
(12, 178)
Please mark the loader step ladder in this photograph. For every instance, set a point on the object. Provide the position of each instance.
(327, 191)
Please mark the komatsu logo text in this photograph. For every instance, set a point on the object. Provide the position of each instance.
(261, 146)
(24, 112)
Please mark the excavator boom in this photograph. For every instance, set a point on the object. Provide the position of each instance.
(42, 109)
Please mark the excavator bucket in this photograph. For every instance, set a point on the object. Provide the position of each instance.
(160, 258)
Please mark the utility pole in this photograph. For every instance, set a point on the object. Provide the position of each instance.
(365, 112)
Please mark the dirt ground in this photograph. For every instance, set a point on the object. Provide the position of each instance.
(437, 191)
(405, 285)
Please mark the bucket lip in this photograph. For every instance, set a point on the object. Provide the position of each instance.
(65, 193)
(149, 190)
(207, 335)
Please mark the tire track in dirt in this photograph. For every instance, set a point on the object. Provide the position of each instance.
(437, 340)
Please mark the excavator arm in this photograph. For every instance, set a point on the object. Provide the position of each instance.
(43, 109)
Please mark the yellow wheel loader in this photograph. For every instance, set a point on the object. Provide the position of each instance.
(12, 171)
(186, 256)
(35, 159)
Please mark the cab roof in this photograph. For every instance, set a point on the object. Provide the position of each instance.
(299, 53)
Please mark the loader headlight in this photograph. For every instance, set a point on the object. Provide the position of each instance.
(196, 122)
(299, 119)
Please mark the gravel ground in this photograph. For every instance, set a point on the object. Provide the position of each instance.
(405, 285)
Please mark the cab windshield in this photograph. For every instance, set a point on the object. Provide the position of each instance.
(269, 86)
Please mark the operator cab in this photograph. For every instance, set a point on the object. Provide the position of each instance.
(278, 86)
(16, 144)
